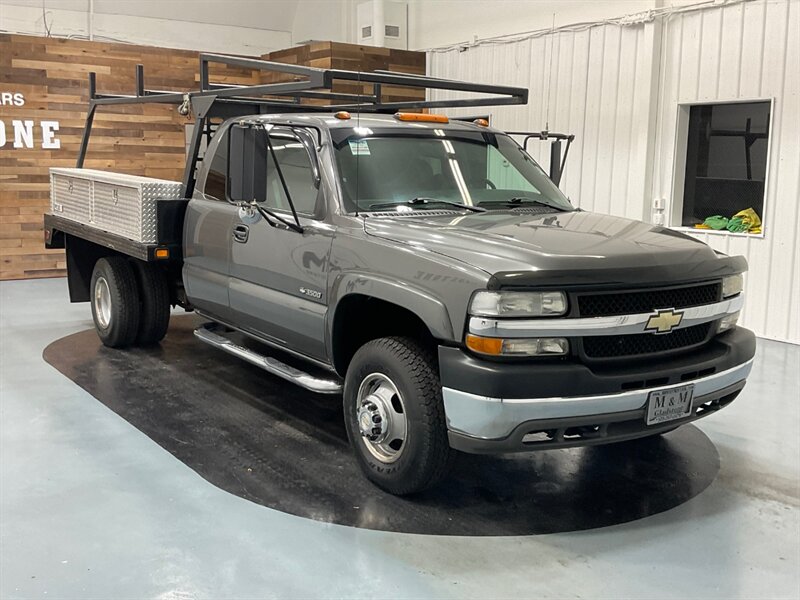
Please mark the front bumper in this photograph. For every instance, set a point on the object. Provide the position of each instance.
(496, 407)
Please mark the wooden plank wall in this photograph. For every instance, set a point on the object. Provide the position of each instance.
(51, 75)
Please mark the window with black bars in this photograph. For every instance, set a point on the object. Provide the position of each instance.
(726, 162)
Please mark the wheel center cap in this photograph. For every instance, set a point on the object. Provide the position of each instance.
(365, 421)
(372, 419)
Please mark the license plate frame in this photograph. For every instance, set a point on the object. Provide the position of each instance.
(669, 404)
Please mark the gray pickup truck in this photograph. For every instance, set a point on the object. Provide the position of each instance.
(426, 269)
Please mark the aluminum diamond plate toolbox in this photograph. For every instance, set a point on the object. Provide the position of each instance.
(70, 197)
(121, 204)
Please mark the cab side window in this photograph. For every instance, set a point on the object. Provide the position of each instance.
(217, 177)
(297, 172)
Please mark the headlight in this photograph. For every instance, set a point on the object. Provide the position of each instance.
(518, 304)
(732, 285)
(517, 346)
(728, 322)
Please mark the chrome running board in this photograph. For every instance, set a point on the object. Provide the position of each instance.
(208, 333)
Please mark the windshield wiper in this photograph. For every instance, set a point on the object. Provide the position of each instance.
(519, 200)
(423, 201)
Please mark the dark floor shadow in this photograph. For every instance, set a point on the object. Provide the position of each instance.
(266, 440)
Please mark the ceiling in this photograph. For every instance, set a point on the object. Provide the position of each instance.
(276, 15)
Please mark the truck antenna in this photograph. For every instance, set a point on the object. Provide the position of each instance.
(358, 128)
(550, 76)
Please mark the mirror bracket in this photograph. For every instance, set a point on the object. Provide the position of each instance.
(252, 212)
(248, 214)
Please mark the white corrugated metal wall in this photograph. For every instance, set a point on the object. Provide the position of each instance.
(591, 83)
(617, 87)
(742, 52)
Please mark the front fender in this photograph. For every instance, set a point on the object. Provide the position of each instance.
(422, 303)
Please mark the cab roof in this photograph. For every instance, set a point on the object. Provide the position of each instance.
(330, 121)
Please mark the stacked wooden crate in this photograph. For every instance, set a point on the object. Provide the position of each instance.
(353, 57)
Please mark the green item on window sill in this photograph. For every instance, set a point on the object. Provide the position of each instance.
(716, 222)
(746, 220)
(737, 225)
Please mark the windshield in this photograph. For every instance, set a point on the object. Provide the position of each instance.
(380, 171)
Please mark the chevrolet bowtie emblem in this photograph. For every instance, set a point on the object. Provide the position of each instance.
(664, 321)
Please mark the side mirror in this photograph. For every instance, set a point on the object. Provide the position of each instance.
(555, 161)
(247, 164)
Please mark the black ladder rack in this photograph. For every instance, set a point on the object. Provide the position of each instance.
(213, 100)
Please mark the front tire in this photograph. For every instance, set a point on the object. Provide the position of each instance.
(115, 302)
(394, 415)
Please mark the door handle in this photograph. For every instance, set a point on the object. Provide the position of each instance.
(241, 233)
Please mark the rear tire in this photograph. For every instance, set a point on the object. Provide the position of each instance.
(154, 305)
(115, 302)
(394, 415)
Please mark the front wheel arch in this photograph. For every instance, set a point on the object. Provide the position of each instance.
(359, 318)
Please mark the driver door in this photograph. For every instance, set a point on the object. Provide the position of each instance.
(277, 285)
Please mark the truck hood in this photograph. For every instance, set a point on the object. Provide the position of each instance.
(558, 247)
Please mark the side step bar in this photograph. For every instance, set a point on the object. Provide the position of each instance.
(207, 333)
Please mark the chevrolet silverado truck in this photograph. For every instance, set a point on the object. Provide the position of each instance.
(424, 268)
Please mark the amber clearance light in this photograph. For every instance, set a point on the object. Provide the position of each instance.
(421, 117)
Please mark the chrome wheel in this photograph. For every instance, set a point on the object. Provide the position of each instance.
(381, 417)
(102, 302)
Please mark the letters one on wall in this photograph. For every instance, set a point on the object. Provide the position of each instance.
(26, 133)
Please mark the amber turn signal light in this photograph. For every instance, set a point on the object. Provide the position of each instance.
(517, 346)
(162, 253)
(484, 345)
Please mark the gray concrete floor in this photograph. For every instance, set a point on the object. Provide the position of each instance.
(92, 508)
